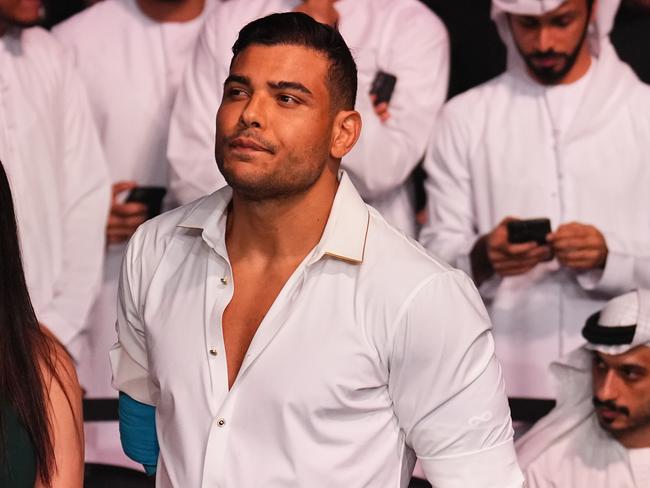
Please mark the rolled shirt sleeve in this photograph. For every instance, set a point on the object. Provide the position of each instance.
(128, 356)
(448, 390)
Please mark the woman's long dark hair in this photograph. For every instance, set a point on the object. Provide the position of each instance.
(26, 353)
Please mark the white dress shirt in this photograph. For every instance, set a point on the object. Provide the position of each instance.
(131, 66)
(372, 354)
(53, 158)
(499, 152)
(402, 37)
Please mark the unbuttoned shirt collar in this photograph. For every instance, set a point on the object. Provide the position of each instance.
(344, 236)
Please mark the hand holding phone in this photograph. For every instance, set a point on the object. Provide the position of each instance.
(383, 87)
(529, 230)
(151, 196)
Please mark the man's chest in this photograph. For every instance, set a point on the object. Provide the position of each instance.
(312, 347)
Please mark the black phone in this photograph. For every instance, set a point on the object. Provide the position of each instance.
(383, 87)
(530, 230)
(151, 196)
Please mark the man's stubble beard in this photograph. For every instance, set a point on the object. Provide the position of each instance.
(292, 177)
(548, 76)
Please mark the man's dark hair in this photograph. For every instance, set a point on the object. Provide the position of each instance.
(298, 29)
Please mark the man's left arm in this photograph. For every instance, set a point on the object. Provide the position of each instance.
(388, 151)
(605, 262)
(448, 390)
(85, 199)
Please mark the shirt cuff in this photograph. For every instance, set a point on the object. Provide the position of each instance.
(618, 275)
(130, 377)
(495, 467)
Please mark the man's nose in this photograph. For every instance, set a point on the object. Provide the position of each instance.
(545, 39)
(606, 388)
(253, 113)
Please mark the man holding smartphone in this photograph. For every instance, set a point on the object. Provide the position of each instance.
(395, 134)
(559, 136)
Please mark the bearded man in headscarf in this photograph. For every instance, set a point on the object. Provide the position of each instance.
(561, 135)
(599, 434)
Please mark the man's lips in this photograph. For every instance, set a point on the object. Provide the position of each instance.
(244, 144)
(608, 414)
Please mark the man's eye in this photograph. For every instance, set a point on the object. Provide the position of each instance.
(630, 373)
(563, 21)
(528, 22)
(236, 92)
(287, 100)
(599, 363)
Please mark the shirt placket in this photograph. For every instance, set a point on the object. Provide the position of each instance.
(214, 468)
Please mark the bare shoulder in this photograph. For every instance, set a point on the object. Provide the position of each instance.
(63, 397)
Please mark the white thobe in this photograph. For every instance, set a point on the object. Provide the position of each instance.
(373, 353)
(499, 152)
(589, 457)
(402, 37)
(132, 66)
(53, 158)
(567, 447)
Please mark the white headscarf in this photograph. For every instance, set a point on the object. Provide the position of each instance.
(624, 314)
(598, 36)
(612, 83)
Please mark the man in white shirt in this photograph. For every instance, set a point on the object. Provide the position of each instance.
(400, 37)
(598, 436)
(560, 135)
(131, 55)
(53, 158)
(284, 332)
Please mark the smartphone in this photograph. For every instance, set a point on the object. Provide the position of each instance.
(530, 230)
(151, 196)
(383, 87)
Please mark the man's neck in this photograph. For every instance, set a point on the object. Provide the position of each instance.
(282, 230)
(171, 11)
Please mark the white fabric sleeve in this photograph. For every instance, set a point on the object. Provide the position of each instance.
(129, 360)
(193, 172)
(451, 230)
(448, 390)
(387, 152)
(627, 267)
(86, 199)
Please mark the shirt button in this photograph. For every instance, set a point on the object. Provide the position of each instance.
(213, 351)
(224, 280)
(221, 422)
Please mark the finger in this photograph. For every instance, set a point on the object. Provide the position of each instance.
(520, 249)
(121, 186)
(569, 243)
(514, 271)
(129, 209)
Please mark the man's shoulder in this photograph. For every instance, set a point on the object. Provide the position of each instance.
(399, 258)
(485, 94)
(153, 237)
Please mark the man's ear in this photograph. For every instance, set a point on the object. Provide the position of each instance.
(346, 129)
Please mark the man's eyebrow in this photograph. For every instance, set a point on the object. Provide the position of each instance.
(290, 85)
(243, 80)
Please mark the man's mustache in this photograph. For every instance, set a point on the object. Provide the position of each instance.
(253, 136)
(610, 405)
(546, 55)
